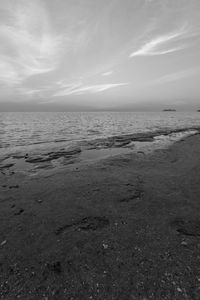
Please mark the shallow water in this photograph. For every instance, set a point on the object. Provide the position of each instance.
(25, 132)
(39, 142)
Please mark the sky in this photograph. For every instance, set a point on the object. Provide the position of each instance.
(99, 54)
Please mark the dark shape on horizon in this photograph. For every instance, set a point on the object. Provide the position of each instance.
(169, 109)
(198, 110)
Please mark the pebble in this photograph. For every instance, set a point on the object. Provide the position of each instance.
(39, 201)
(184, 243)
(105, 246)
(3, 243)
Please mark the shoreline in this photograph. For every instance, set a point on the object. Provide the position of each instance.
(127, 227)
(86, 152)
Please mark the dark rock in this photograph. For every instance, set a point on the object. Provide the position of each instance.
(6, 166)
(145, 139)
(38, 159)
(19, 212)
(18, 156)
(14, 186)
(54, 155)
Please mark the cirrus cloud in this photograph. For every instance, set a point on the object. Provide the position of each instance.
(91, 89)
(28, 46)
(155, 45)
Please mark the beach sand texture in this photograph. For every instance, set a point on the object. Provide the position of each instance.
(127, 227)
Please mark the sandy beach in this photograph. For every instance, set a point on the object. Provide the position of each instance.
(126, 227)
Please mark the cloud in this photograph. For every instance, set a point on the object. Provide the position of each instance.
(28, 46)
(88, 89)
(107, 73)
(8, 75)
(28, 91)
(175, 76)
(153, 47)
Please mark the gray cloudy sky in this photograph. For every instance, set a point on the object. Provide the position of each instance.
(99, 53)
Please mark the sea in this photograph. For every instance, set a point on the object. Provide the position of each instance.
(35, 132)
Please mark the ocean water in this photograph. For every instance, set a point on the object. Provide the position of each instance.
(24, 132)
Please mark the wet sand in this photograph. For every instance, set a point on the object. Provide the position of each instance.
(126, 227)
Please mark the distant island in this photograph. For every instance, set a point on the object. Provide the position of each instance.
(198, 110)
(169, 109)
